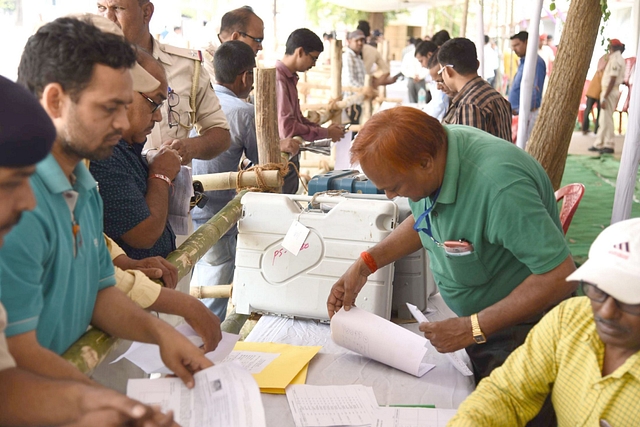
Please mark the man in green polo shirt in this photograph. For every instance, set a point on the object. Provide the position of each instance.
(56, 259)
(486, 212)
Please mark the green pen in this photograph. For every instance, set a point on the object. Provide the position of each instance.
(411, 406)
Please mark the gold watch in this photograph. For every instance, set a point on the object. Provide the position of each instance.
(478, 336)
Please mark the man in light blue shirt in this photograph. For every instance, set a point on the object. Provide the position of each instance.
(233, 64)
(519, 46)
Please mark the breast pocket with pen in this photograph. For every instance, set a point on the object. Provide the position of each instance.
(463, 264)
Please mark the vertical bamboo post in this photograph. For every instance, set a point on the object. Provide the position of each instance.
(306, 90)
(267, 134)
(367, 105)
(336, 76)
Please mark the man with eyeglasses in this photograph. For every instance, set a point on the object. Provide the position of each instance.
(136, 190)
(240, 24)
(475, 103)
(194, 105)
(302, 51)
(585, 353)
(56, 259)
(234, 63)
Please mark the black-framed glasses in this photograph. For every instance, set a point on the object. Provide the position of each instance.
(155, 105)
(258, 40)
(173, 99)
(598, 295)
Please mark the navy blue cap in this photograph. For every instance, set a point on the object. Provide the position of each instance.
(26, 131)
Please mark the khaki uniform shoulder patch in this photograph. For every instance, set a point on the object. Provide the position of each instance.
(196, 55)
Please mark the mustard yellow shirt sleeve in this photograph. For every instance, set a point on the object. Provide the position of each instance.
(135, 284)
(6, 361)
(514, 393)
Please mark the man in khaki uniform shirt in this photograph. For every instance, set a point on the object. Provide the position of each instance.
(612, 77)
(192, 103)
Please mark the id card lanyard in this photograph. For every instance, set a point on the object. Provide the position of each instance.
(425, 217)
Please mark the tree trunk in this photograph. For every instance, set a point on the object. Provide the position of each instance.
(465, 17)
(549, 142)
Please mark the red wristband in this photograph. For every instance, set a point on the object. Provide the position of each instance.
(162, 177)
(369, 261)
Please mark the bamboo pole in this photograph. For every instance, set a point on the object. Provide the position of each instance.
(217, 291)
(229, 180)
(367, 105)
(267, 134)
(94, 345)
(190, 252)
(336, 76)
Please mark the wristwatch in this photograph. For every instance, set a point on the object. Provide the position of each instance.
(478, 336)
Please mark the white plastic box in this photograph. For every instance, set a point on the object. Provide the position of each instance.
(270, 279)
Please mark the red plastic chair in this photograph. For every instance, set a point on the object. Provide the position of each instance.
(570, 194)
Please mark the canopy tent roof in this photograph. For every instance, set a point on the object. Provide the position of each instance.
(387, 5)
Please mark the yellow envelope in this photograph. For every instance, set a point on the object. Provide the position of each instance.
(290, 367)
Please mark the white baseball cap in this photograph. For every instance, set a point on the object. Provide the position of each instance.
(614, 262)
(142, 80)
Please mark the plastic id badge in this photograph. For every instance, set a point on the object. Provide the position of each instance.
(455, 360)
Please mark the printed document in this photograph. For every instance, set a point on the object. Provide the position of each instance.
(377, 338)
(413, 417)
(324, 406)
(224, 395)
(147, 356)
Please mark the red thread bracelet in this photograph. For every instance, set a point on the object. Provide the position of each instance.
(369, 261)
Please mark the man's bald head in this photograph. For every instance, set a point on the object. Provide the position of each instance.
(244, 25)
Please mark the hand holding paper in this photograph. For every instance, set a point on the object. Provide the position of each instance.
(456, 358)
(381, 340)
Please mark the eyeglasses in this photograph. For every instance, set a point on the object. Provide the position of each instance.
(173, 99)
(596, 294)
(443, 67)
(156, 106)
(255, 39)
(314, 59)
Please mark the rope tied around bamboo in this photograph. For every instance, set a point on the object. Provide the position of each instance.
(282, 169)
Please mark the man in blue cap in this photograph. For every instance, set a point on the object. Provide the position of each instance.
(26, 137)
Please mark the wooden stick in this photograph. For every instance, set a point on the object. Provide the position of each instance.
(229, 180)
(367, 107)
(336, 76)
(267, 116)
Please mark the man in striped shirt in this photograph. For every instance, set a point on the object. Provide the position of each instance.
(475, 102)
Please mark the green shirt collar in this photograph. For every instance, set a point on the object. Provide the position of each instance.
(57, 182)
(449, 190)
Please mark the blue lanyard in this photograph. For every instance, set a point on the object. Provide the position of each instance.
(425, 217)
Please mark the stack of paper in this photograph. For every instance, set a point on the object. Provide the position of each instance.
(377, 338)
(224, 395)
(324, 406)
(356, 405)
(274, 366)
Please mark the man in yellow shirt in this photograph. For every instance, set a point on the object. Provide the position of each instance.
(585, 353)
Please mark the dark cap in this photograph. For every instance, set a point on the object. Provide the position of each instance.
(355, 35)
(26, 131)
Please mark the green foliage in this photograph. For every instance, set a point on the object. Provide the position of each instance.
(328, 15)
(8, 5)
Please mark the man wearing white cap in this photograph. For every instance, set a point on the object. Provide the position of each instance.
(585, 353)
(58, 272)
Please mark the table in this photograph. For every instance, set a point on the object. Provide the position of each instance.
(443, 386)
